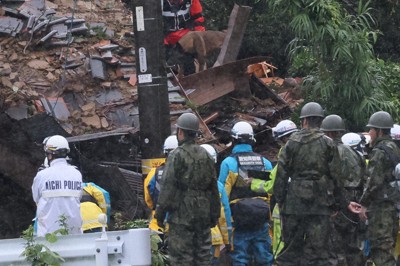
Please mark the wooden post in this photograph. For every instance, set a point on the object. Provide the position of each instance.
(233, 39)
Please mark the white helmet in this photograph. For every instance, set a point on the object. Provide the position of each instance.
(44, 142)
(243, 131)
(170, 144)
(210, 149)
(395, 132)
(56, 145)
(351, 139)
(284, 128)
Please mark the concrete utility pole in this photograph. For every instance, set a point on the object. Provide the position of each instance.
(152, 81)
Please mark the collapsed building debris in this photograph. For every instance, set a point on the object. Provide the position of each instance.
(85, 89)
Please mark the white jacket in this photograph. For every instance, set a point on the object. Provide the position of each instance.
(57, 191)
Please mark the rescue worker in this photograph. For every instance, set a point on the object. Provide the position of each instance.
(250, 210)
(380, 191)
(57, 190)
(221, 234)
(152, 182)
(395, 135)
(345, 234)
(306, 182)
(94, 201)
(180, 17)
(281, 133)
(356, 142)
(190, 197)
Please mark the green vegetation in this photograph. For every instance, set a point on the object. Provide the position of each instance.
(40, 254)
(158, 254)
(333, 45)
(344, 75)
(265, 27)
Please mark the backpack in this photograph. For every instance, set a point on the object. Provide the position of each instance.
(250, 213)
(101, 197)
(396, 163)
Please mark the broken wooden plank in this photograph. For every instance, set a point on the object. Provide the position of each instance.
(212, 83)
(203, 127)
(233, 39)
(262, 91)
(116, 132)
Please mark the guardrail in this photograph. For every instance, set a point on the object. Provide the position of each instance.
(128, 247)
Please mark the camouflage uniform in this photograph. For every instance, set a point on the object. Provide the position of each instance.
(306, 185)
(379, 199)
(190, 196)
(347, 225)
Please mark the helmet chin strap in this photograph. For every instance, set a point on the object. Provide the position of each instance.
(49, 157)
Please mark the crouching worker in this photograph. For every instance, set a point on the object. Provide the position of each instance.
(95, 201)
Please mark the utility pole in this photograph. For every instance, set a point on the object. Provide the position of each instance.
(152, 81)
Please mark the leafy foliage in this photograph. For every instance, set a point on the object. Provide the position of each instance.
(331, 43)
(344, 75)
(158, 254)
(267, 32)
(40, 254)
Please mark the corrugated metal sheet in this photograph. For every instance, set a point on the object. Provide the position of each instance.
(135, 181)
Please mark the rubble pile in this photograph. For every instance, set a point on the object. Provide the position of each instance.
(68, 67)
(73, 60)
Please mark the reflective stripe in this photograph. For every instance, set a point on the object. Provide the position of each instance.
(260, 188)
(224, 228)
(169, 13)
(61, 193)
(177, 14)
(104, 205)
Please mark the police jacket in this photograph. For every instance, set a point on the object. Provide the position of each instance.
(152, 185)
(379, 173)
(189, 188)
(309, 180)
(229, 169)
(57, 191)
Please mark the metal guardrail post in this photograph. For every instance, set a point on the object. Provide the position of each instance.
(123, 248)
(101, 252)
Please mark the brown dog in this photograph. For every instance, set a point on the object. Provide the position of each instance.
(200, 45)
